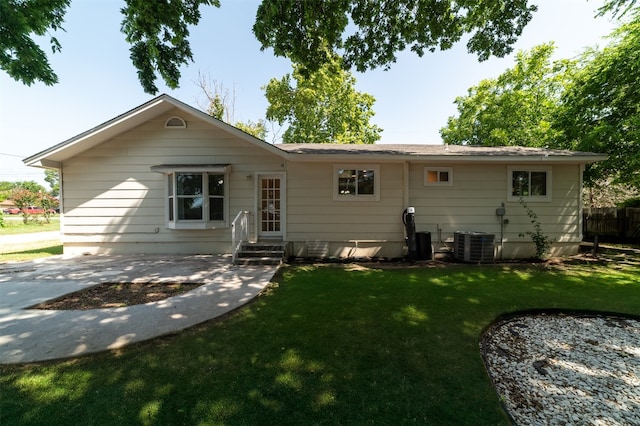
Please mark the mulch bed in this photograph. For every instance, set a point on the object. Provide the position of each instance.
(116, 295)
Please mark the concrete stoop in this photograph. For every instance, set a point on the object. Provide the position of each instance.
(261, 253)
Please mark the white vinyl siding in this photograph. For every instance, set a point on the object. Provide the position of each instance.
(114, 202)
(479, 189)
(314, 215)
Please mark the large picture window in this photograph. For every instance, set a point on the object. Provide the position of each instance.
(356, 183)
(196, 197)
(530, 183)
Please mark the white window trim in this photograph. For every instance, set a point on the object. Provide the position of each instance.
(205, 223)
(529, 168)
(449, 170)
(376, 182)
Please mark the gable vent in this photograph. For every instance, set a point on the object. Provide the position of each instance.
(175, 123)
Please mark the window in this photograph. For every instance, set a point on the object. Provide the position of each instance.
(197, 196)
(531, 183)
(356, 183)
(438, 176)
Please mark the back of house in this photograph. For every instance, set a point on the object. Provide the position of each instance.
(167, 178)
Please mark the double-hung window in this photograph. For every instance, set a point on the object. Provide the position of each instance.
(197, 197)
(356, 182)
(531, 183)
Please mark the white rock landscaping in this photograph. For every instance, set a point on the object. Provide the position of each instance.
(566, 370)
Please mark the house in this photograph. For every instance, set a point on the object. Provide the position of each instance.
(168, 178)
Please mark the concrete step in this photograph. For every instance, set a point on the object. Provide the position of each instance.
(253, 261)
(262, 246)
(260, 253)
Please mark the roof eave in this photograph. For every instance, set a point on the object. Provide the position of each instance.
(55, 155)
(366, 158)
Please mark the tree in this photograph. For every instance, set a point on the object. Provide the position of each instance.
(23, 198)
(5, 189)
(601, 108)
(300, 30)
(618, 8)
(516, 108)
(587, 105)
(48, 204)
(322, 106)
(20, 55)
(221, 104)
(257, 129)
(29, 185)
(158, 32)
(52, 177)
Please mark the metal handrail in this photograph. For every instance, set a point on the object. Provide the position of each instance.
(239, 232)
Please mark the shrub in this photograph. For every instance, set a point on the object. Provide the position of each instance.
(631, 202)
(542, 241)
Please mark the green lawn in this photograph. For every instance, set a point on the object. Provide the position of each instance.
(18, 252)
(13, 224)
(28, 251)
(326, 345)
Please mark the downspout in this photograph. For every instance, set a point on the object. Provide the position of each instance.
(581, 204)
(405, 197)
(500, 212)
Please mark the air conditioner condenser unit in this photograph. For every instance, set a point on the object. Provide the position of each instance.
(475, 247)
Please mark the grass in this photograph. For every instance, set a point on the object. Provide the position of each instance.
(326, 345)
(13, 224)
(29, 251)
(24, 251)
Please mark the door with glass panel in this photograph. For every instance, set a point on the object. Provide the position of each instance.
(270, 192)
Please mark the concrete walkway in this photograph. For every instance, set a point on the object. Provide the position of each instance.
(28, 335)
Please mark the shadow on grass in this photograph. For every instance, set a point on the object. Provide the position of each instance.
(31, 253)
(324, 345)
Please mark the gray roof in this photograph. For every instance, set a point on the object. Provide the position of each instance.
(425, 151)
(55, 155)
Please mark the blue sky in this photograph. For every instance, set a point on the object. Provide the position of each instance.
(98, 82)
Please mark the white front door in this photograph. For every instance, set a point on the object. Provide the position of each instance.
(270, 207)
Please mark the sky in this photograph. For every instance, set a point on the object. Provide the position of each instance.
(98, 82)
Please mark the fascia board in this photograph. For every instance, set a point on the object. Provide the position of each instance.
(587, 159)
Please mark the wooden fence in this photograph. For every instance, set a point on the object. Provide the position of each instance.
(612, 222)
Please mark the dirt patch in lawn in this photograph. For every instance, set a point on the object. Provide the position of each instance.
(117, 295)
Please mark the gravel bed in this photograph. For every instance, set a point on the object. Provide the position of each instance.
(563, 369)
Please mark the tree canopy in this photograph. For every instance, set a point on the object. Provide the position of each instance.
(158, 32)
(516, 108)
(301, 30)
(601, 107)
(592, 104)
(322, 106)
(20, 55)
(221, 104)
